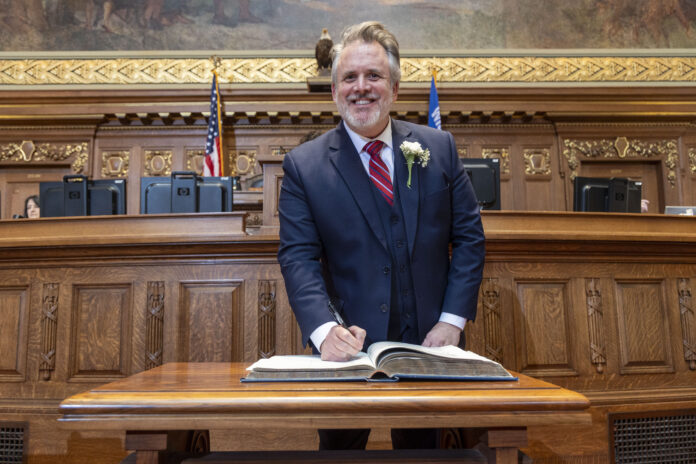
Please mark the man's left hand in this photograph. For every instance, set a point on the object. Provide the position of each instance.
(442, 334)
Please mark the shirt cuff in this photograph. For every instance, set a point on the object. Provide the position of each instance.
(457, 321)
(320, 334)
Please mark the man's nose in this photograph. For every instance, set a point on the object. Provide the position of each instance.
(362, 83)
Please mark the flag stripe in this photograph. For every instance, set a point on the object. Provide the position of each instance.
(213, 164)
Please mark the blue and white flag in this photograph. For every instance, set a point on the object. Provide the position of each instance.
(434, 108)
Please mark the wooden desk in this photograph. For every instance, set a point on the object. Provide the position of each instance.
(203, 396)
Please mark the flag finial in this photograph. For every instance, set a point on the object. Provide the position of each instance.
(217, 63)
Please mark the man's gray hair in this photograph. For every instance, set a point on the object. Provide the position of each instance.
(368, 32)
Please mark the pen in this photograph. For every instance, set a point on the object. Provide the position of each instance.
(337, 317)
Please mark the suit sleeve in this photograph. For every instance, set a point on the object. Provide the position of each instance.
(467, 241)
(300, 253)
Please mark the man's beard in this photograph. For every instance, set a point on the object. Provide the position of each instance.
(363, 120)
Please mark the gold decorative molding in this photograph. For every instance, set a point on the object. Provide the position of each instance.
(688, 322)
(154, 324)
(595, 317)
(115, 163)
(622, 148)
(537, 161)
(194, 161)
(503, 154)
(242, 162)
(49, 325)
(280, 151)
(267, 318)
(27, 151)
(276, 70)
(158, 163)
(692, 161)
(493, 338)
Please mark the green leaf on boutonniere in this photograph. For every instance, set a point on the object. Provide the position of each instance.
(413, 152)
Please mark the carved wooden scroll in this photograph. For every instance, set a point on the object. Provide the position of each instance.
(154, 332)
(595, 318)
(688, 322)
(267, 318)
(491, 320)
(49, 323)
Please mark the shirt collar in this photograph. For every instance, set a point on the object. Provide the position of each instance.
(359, 141)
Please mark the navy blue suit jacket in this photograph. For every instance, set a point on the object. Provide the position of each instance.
(332, 242)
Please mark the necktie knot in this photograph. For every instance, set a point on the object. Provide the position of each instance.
(374, 148)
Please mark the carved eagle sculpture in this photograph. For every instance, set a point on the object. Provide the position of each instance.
(322, 52)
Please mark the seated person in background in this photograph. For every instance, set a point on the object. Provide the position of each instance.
(32, 208)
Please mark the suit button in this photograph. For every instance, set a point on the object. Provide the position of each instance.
(384, 308)
(395, 219)
(386, 269)
(402, 268)
(399, 243)
(408, 315)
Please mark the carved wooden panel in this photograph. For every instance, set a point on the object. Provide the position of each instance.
(154, 324)
(13, 329)
(267, 318)
(49, 323)
(643, 327)
(543, 325)
(595, 321)
(490, 302)
(100, 331)
(688, 322)
(211, 327)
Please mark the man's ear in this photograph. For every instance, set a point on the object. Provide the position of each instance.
(395, 91)
(333, 92)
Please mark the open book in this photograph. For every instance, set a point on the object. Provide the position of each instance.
(383, 361)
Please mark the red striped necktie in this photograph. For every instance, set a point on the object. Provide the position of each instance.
(378, 170)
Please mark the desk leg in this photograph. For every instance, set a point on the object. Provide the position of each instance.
(505, 444)
(150, 447)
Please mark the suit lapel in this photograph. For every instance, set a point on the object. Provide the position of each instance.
(347, 161)
(408, 197)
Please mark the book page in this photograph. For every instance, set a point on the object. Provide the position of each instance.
(449, 351)
(308, 362)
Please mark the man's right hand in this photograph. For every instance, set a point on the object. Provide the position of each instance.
(342, 344)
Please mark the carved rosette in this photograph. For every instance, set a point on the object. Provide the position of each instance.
(485, 69)
(115, 163)
(621, 148)
(154, 325)
(158, 163)
(27, 151)
(267, 318)
(493, 338)
(503, 154)
(194, 161)
(537, 161)
(595, 318)
(688, 322)
(49, 324)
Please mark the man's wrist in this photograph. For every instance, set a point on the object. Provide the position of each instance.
(320, 333)
(453, 319)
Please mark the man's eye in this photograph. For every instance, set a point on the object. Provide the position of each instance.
(349, 78)
(374, 76)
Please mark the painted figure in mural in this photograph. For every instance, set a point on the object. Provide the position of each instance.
(644, 15)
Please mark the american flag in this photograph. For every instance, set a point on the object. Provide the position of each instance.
(212, 165)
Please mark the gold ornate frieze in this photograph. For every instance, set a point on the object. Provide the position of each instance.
(158, 163)
(488, 69)
(537, 161)
(692, 161)
(503, 154)
(115, 163)
(28, 151)
(242, 162)
(621, 148)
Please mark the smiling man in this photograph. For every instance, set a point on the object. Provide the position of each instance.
(367, 234)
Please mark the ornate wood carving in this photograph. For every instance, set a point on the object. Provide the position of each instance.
(622, 148)
(158, 163)
(29, 152)
(49, 323)
(267, 318)
(537, 162)
(595, 322)
(688, 322)
(242, 162)
(462, 151)
(692, 161)
(493, 338)
(115, 163)
(194, 160)
(154, 325)
(503, 154)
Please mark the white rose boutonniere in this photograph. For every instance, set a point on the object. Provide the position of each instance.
(413, 152)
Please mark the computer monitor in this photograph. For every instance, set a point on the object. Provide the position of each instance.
(76, 195)
(601, 194)
(485, 178)
(185, 192)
